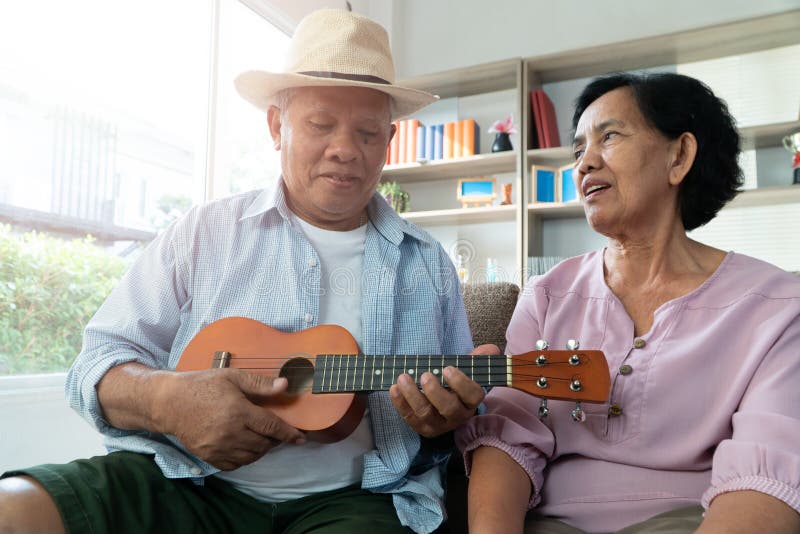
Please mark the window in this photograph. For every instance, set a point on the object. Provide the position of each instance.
(104, 132)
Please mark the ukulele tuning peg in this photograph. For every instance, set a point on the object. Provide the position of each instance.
(542, 345)
(573, 344)
(578, 415)
(543, 411)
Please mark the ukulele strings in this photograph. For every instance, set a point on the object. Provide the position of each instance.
(481, 374)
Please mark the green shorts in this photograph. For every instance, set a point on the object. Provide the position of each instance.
(126, 492)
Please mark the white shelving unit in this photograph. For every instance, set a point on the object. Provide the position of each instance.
(522, 224)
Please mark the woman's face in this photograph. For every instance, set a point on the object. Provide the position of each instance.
(624, 168)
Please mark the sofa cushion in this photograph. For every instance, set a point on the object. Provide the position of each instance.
(489, 308)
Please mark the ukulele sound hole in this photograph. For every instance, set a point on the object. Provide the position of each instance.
(300, 374)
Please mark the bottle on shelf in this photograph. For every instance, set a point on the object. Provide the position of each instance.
(461, 269)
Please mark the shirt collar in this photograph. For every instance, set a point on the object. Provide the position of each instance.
(390, 225)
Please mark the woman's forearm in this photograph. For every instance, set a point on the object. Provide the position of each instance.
(749, 511)
(499, 492)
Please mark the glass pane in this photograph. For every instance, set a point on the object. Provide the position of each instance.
(243, 153)
(103, 107)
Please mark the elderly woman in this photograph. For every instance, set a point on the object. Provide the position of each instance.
(702, 427)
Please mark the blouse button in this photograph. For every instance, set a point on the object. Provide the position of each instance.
(195, 470)
(308, 318)
(615, 410)
(312, 262)
(639, 343)
(625, 369)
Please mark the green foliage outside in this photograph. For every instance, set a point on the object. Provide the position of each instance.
(49, 289)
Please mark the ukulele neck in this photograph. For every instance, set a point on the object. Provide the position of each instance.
(338, 373)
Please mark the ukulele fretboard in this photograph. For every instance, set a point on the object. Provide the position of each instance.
(338, 373)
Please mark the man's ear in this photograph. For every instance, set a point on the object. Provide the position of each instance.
(685, 151)
(274, 123)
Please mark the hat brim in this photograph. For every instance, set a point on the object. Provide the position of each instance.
(260, 87)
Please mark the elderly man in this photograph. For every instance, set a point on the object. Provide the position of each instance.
(196, 451)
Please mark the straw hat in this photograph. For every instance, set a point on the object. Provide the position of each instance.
(333, 47)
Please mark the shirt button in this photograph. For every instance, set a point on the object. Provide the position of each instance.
(312, 262)
(639, 343)
(625, 369)
(195, 470)
(308, 318)
(615, 410)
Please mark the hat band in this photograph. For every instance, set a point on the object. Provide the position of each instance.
(342, 76)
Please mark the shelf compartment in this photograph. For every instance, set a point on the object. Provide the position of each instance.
(469, 166)
(462, 215)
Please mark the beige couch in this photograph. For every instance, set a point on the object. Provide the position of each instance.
(489, 308)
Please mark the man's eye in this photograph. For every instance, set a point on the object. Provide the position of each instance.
(578, 152)
(609, 135)
(320, 126)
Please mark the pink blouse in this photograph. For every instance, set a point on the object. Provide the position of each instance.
(706, 402)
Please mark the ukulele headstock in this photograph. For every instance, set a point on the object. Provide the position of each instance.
(574, 374)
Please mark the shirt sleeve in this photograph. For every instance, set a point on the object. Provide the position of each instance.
(136, 323)
(510, 421)
(763, 453)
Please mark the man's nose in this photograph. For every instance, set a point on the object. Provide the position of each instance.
(344, 145)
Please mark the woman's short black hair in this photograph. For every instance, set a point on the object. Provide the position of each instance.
(674, 104)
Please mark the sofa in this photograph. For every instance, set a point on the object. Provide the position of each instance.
(489, 308)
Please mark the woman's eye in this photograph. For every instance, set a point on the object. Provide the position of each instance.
(578, 152)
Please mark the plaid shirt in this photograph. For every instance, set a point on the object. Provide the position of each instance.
(242, 256)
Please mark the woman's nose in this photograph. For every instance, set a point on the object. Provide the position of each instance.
(590, 160)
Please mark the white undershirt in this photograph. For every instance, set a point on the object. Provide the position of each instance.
(293, 471)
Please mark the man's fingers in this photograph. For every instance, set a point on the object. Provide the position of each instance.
(269, 425)
(258, 385)
(416, 400)
(469, 392)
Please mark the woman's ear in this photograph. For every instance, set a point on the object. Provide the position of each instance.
(685, 150)
(274, 123)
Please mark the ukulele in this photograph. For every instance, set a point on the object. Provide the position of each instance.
(327, 375)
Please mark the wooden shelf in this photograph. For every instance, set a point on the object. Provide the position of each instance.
(554, 157)
(761, 136)
(483, 78)
(555, 210)
(766, 135)
(766, 196)
(477, 165)
(738, 37)
(462, 215)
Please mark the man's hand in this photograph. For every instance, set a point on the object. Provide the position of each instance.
(211, 412)
(437, 410)
(213, 415)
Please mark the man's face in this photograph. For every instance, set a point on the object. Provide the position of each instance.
(333, 144)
